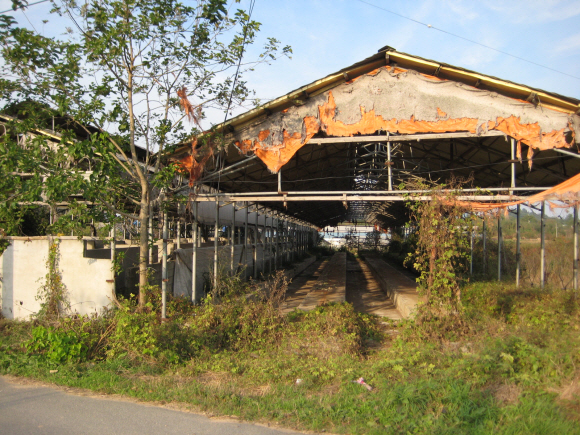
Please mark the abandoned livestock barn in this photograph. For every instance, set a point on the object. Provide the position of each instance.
(345, 148)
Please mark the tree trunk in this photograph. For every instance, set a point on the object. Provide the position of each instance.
(143, 244)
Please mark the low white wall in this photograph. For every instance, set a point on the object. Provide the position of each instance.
(88, 281)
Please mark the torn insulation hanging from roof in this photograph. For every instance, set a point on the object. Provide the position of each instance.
(277, 155)
(194, 164)
(193, 114)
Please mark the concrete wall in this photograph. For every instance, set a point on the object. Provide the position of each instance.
(88, 281)
(87, 275)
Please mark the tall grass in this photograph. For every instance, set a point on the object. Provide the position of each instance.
(516, 370)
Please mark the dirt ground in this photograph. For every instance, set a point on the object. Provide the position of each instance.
(362, 290)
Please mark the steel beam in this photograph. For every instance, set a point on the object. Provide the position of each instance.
(401, 138)
(341, 197)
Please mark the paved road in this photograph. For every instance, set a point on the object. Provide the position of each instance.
(31, 409)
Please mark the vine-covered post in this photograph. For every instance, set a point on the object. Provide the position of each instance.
(444, 237)
(518, 248)
(543, 246)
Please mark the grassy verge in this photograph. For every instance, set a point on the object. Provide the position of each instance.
(516, 371)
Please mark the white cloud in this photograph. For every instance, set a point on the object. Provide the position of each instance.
(535, 11)
(569, 44)
(462, 9)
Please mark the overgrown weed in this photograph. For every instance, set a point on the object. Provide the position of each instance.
(238, 356)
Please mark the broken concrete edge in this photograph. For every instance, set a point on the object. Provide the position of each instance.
(406, 304)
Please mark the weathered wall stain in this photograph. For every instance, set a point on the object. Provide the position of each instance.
(404, 102)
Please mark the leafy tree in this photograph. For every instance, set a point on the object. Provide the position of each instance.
(121, 82)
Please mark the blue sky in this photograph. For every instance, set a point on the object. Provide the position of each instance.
(327, 35)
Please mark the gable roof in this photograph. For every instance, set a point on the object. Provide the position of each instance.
(440, 120)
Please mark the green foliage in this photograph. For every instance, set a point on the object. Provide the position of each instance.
(153, 64)
(57, 345)
(512, 373)
(53, 293)
(442, 227)
(133, 336)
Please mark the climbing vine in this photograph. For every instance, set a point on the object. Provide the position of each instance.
(53, 295)
(443, 226)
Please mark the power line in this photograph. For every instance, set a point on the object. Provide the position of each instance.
(467, 39)
(23, 6)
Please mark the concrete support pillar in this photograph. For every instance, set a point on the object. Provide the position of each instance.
(270, 238)
(484, 238)
(543, 246)
(255, 246)
(576, 249)
(164, 268)
(232, 240)
(293, 242)
(150, 233)
(113, 252)
(246, 206)
(178, 233)
(513, 168)
(264, 241)
(277, 247)
(216, 244)
(390, 171)
(471, 253)
(194, 228)
(286, 238)
(518, 249)
(498, 246)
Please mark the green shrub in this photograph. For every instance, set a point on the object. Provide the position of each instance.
(58, 345)
(133, 335)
